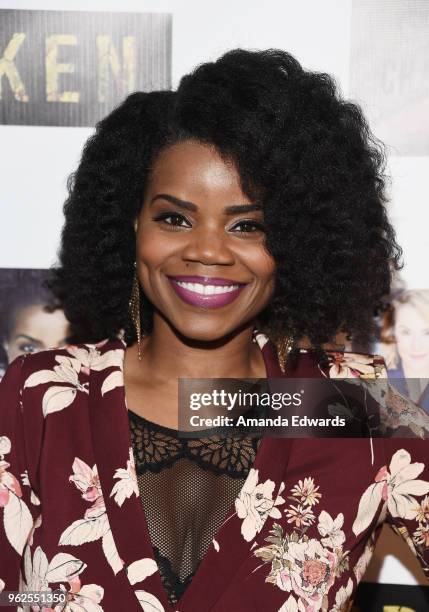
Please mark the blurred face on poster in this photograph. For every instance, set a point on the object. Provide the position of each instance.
(411, 330)
(33, 329)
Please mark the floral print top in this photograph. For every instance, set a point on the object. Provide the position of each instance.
(298, 536)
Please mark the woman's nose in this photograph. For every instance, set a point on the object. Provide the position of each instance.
(416, 343)
(208, 247)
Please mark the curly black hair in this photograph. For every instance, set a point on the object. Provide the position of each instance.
(304, 151)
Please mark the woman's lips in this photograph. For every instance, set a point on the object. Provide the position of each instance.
(205, 292)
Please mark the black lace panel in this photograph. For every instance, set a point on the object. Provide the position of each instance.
(187, 487)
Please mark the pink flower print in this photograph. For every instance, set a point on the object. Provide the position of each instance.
(397, 485)
(86, 480)
(300, 516)
(382, 476)
(8, 483)
(350, 365)
(97, 509)
(314, 571)
(81, 598)
(309, 571)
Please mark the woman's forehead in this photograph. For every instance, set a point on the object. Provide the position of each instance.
(197, 168)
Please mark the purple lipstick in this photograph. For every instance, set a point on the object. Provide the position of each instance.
(206, 291)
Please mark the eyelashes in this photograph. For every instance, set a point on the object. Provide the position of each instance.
(252, 226)
(171, 215)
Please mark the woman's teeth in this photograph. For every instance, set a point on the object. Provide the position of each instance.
(207, 289)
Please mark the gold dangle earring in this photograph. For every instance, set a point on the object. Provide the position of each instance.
(284, 347)
(134, 304)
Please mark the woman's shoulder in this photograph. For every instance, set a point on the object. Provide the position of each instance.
(84, 355)
(64, 364)
(352, 364)
(54, 378)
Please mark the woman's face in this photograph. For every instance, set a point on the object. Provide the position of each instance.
(36, 330)
(411, 331)
(200, 244)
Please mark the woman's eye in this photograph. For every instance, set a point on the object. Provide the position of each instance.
(27, 348)
(173, 219)
(248, 227)
(176, 220)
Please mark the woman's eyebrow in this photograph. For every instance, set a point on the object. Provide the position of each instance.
(230, 210)
(26, 337)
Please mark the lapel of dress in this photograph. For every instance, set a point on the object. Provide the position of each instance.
(127, 547)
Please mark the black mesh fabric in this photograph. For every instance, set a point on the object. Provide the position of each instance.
(187, 487)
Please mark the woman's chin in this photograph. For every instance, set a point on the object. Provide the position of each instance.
(205, 332)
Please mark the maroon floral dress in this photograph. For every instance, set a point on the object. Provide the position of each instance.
(298, 536)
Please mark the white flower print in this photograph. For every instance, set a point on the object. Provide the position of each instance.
(330, 529)
(255, 503)
(95, 524)
(397, 487)
(149, 602)
(91, 358)
(127, 483)
(350, 365)
(300, 515)
(39, 572)
(260, 338)
(291, 605)
(111, 552)
(82, 359)
(17, 518)
(59, 397)
(141, 569)
(342, 597)
(363, 561)
(137, 572)
(421, 535)
(86, 480)
(308, 570)
(5, 445)
(306, 492)
(33, 497)
(36, 524)
(303, 566)
(422, 510)
(420, 538)
(81, 598)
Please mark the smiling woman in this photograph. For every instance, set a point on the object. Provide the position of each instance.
(209, 231)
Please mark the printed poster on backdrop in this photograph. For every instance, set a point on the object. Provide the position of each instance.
(72, 68)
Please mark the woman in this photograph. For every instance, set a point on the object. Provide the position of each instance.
(29, 322)
(205, 229)
(405, 344)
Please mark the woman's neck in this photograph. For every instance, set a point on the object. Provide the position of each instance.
(166, 355)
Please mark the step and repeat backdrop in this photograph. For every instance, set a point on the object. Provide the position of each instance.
(64, 67)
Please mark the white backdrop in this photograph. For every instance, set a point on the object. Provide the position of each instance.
(35, 161)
